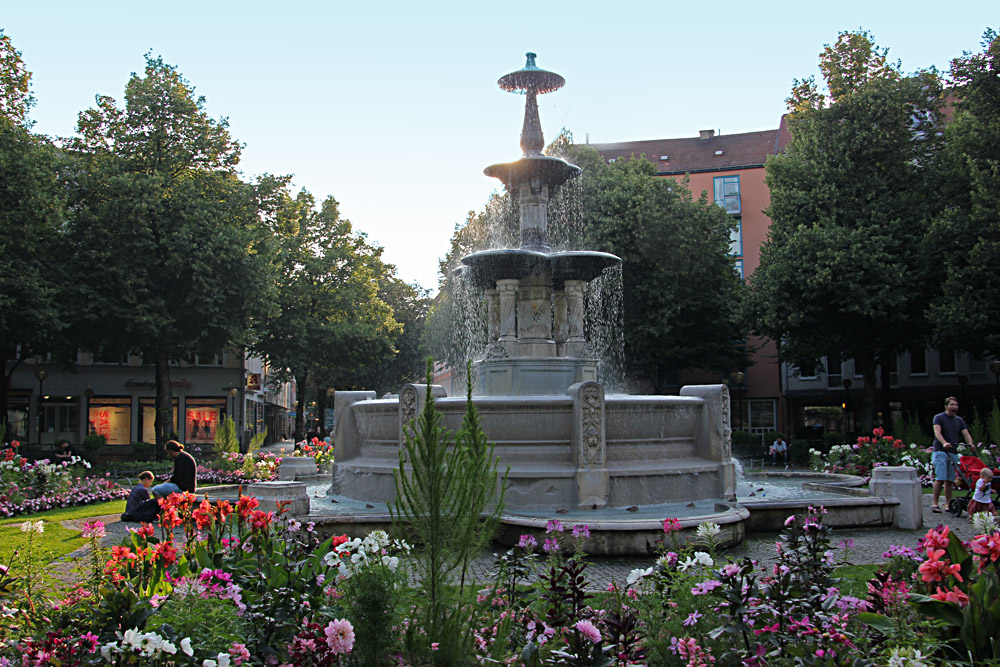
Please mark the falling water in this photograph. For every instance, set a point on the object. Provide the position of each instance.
(603, 327)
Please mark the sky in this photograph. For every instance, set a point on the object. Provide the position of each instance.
(393, 108)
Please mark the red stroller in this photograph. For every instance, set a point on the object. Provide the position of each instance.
(966, 478)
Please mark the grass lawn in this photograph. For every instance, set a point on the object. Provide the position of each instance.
(56, 541)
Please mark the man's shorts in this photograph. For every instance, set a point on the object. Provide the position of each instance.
(945, 464)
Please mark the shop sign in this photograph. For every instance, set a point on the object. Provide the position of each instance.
(182, 383)
(253, 382)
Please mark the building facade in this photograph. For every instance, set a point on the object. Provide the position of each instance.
(50, 400)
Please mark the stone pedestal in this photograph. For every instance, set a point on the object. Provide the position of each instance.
(411, 403)
(589, 445)
(296, 467)
(271, 493)
(901, 483)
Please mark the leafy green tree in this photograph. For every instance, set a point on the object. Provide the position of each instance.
(331, 322)
(32, 208)
(680, 287)
(966, 236)
(844, 272)
(15, 83)
(173, 257)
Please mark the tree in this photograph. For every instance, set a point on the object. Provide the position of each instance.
(966, 235)
(32, 208)
(331, 323)
(680, 287)
(172, 257)
(15, 83)
(844, 272)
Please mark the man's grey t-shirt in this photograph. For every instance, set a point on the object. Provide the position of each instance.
(951, 429)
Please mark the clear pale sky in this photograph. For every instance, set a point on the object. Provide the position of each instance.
(392, 107)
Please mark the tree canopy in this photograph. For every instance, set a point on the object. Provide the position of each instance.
(966, 235)
(845, 272)
(172, 254)
(331, 322)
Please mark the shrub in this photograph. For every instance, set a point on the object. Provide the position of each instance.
(94, 443)
(144, 451)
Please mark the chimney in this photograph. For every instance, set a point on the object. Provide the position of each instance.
(706, 134)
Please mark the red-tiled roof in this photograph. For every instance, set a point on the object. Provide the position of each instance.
(749, 149)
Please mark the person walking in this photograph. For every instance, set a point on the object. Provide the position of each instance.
(949, 431)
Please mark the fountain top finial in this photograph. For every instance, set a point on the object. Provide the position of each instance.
(531, 78)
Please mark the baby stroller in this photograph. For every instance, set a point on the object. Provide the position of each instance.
(966, 478)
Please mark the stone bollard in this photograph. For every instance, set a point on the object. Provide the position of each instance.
(271, 493)
(296, 467)
(901, 483)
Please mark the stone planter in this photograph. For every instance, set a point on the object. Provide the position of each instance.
(296, 467)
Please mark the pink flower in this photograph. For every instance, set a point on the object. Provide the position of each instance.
(94, 529)
(340, 636)
(588, 630)
(527, 542)
(435, 646)
(671, 525)
(554, 526)
(550, 546)
(581, 530)
(239, 653)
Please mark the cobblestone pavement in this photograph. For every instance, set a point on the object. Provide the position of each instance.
(863, 545)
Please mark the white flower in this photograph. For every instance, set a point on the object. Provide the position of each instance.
(106, 651)
(223, 659)
(708, 530)
(637, 574)
(703, 558)
(686, 564)
(209, 663)
(984, 523)
(186, 646)
(36, 527)
(167, 647)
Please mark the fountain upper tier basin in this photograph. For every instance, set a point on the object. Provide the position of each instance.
(575, 451)
(540, 169)
(487, 266)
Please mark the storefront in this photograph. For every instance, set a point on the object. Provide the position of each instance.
(201, 419)
(111, 416)
(147, 418)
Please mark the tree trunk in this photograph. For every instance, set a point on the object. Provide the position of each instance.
(871, 390)
(300, 402)
(885, 393)
(164, 404)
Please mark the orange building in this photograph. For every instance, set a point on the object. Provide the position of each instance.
(730, 170)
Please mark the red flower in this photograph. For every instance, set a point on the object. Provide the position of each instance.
(935, 539)
(225, 509)
(166, 551)
(671, 525)
(954, 596)
(938, 570)
(203, 515)
(145, 530)
(260, 520)
(338, 540)
(245, 505)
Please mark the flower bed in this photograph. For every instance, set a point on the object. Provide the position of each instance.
(247, 586)
(33, 486)
(236, 468)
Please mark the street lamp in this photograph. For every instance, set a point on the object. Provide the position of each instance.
(233, 393)
(847, 395)
(738, 378)
(41, 374)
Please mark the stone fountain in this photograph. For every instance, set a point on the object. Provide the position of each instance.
(570, 449)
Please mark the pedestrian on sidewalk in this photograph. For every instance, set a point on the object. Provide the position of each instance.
(949, 431)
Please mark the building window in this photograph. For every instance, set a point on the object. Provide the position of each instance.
(727, 193)
(739, 268)
(112, 418)
(834, 371)
(208, 359)
(811, 375)
(61, 418)
(736, 239)
(946, 363)
(893, 371)
(918, 361)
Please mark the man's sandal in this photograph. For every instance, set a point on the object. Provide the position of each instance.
(935, 509)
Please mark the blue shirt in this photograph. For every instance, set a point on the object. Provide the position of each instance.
(951, 430)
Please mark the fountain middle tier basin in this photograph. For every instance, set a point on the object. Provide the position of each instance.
(576, 451)
(485, 267)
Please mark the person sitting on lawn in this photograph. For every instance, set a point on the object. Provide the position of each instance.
(138, 507)
(185, 475)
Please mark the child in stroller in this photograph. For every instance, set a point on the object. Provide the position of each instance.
(979, 480)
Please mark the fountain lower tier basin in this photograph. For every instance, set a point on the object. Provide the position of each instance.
(561, 453)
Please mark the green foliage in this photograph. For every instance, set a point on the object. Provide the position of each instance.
(15, 83)
(94, 443)
(376, 595)
(441, 492)
(332, 324)
(846, 269)
(966, 236)
(832, 439)
(747, 443)
(210, 622)
(144, 451)
(256, 441)
(191, 258)
(908, 429)
(226, 439)
(992, 422)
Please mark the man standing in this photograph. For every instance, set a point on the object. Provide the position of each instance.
(949, 431)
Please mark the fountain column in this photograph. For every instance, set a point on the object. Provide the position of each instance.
(507, 289)
(589, 445)
(559, 324)
(575, 340)
(492, 315)
(534, 198)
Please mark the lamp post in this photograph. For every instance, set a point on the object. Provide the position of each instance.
(738, 378)
(847, 395)
(995, 367)
(41, 374)
(233, 393)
